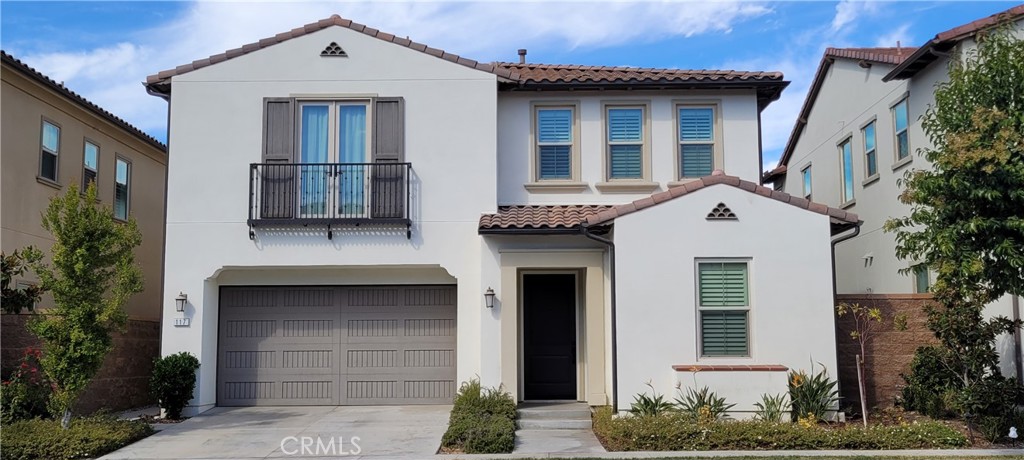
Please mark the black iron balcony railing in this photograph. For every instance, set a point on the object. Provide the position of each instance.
(290, 194)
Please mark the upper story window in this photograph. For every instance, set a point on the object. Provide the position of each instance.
(900, 124)
(331, 133)
(805, 180)
(556, 143)
(724, 306)
(122, 188)
(870, 157)
(626, 139)
(697, 145)
(90, 163)
(846, 170)
(49, 151)
(922, 279)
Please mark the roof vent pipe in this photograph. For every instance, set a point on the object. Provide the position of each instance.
(522, 55)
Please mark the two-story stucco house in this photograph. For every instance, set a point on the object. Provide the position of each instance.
(53, 139)
(355, 218)
(857, 135)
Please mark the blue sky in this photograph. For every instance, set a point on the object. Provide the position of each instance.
(103, 50)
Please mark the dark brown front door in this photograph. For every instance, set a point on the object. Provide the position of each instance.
(549, 333)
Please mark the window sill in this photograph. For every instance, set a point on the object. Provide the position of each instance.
(627, 186)
(848, 204)
(681, 182)
(730, 368)
(901, 163)
(556, 187)
(48, 182)
(870, 180)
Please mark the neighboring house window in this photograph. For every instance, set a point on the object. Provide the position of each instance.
(329, 133)
(122, 188)
(900, 122)
(724, 304)
(922, 279)
(696, 141)
(846, 169)
(555, 143)
(625, 142)
(870, 158)
(49, 151)
(90, 161)
(805, 176)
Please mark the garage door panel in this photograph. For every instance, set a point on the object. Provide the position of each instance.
(328, 345)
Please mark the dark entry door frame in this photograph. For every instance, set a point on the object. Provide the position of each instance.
(550, 335)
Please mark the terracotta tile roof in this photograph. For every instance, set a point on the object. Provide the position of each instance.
(539, 217)
(565, 73)
(886, 56)
(162, 79)
(837, 216)
(944, 41)
(39, 77)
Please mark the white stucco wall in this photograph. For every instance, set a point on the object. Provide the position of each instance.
(216, 129)
(790, 319)
(739, 132)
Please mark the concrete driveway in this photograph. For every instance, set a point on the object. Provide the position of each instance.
(298, 432)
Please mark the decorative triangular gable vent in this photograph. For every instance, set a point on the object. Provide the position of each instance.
(333, 50)
(721, 212)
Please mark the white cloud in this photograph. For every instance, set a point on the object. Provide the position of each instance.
(901, 34)
(486, 31)
(848, 11)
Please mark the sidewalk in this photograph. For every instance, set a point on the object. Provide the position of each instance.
(943, 454)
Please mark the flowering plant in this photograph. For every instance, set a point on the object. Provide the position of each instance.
(25, 393)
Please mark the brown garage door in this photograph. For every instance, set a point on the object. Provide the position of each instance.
(336, 345)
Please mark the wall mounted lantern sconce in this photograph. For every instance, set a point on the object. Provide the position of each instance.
(489, 297)
(181, 300)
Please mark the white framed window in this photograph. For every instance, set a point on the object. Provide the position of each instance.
(49, 151)
(805, 181)
(846, 170)
(870, 155)
(122, 188)
(334, 149)
(555, 148)
(90, 163)
(626, 137)
(901, 121)
(698, 140)
(723, 304)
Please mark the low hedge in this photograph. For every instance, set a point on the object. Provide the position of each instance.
(675, 432)
(483, 421)
(86, 438)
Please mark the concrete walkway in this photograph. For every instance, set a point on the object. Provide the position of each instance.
(279, 432)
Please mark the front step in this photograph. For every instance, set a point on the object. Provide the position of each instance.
(554, 416)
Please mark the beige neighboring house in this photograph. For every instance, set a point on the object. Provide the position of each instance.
(52, 139)
(858, 133)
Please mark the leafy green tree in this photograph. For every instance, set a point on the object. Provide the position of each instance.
(967, 212)
(12, 298)
(91, 275)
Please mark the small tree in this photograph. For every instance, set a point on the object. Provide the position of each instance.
(13, 299)
(865, 324)
(91, 276)
(967, 213)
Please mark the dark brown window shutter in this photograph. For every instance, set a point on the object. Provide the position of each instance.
(389, 180)
(279, 190)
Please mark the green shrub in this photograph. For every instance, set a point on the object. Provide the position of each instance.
(24, 395)
(812, 395)
(771, 408)
(483, 420)
(173, 381)
(702, 405)
(676, 432)
(655, 404)
(930, 384)
(85, 438)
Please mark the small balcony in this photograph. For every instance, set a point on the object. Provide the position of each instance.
(283, 195)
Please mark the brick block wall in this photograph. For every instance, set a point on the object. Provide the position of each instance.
(122, 382)
(888, 354)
